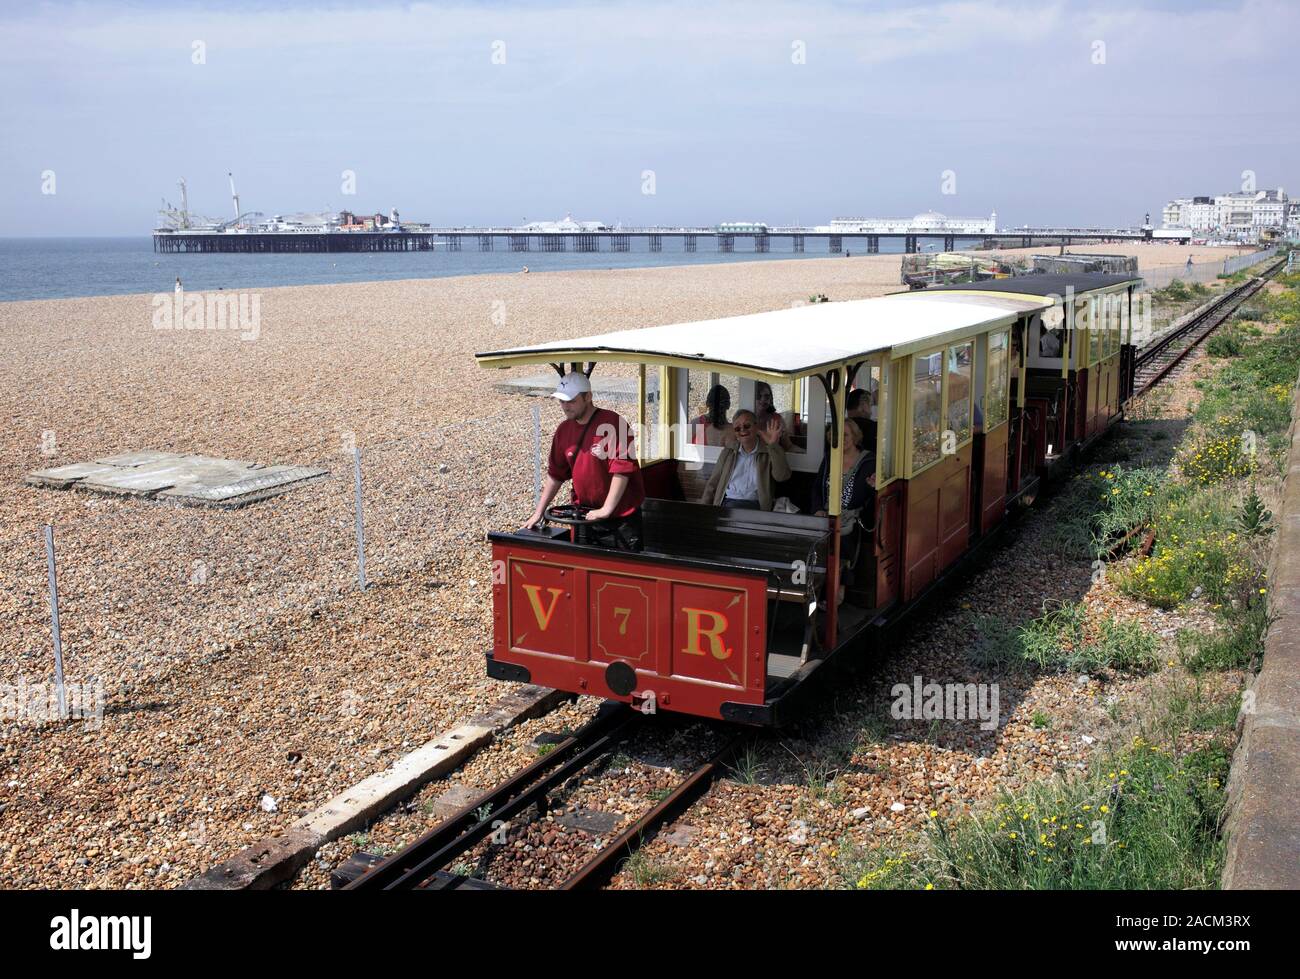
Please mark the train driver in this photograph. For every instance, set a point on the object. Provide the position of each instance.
(593, 448)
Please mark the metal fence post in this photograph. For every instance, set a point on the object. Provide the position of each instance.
(54, 622)
(361, 530)
(537, 455)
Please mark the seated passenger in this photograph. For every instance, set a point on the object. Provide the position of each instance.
(858, 485)
(765, 411)
(711, 428)
(860, 405)
(748, 467)
(857, 499)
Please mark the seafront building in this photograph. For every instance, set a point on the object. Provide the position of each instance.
(1244, 216)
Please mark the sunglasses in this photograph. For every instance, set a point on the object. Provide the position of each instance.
(744, 427)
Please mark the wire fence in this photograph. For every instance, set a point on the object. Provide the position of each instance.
(145, 586)
(1204, 271)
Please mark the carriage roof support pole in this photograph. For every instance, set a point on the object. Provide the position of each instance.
(641, 447)
(835, 381)
(1026, 333)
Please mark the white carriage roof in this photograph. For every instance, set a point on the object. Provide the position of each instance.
(789, 342)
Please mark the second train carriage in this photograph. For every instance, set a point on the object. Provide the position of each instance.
(979, 392)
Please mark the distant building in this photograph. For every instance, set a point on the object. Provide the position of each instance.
(1269, 210)
(742, 228)
(1243, 215)
(926, 222)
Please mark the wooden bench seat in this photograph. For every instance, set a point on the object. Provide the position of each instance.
(776, 543)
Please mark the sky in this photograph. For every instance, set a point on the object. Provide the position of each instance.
(644, 113)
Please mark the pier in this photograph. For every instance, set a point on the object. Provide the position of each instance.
(801, 240)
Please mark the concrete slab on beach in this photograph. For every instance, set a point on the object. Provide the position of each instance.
(194, 480)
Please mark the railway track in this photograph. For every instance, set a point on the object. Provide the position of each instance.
(1157, 360)
(422, 865)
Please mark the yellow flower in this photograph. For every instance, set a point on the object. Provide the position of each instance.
(1104, 809)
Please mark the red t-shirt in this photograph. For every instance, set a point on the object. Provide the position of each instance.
(607, 452)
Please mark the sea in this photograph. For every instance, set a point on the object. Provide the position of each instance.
(61, 268)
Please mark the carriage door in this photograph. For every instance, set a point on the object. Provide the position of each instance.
(889, 491)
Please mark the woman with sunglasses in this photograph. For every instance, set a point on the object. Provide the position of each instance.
(857, 496)
(748, 468)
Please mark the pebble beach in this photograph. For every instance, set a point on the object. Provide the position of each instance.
(246, 678)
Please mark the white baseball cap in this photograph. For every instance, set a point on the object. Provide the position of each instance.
(572, 385)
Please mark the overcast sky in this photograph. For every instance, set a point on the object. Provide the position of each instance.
(490, 113)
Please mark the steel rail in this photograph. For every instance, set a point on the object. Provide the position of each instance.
(410, 867)
(598, 871)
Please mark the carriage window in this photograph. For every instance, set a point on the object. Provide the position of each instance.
(711, 401)
(1111, 318)
(650, 442)
(1050, 343)
(959, 390)
(999, 380)
(1096, 338)
(889, 381)
(927, 405)
(780, 398)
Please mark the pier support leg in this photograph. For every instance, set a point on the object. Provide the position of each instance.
(836, 244)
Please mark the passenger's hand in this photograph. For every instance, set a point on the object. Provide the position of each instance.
(771, 432)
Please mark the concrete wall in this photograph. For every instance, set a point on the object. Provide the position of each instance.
(1263, 821)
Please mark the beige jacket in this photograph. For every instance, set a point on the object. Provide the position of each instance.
(772, 467)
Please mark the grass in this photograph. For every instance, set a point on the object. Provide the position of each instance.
(748, 768)
(1180, 292)
(1237, 644)
(1066, 639)
(1145, 817)
(1128, 500)
(646, 871)
(1226, 342)
(1202, 549)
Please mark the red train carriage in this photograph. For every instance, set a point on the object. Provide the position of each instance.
(974, 395)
